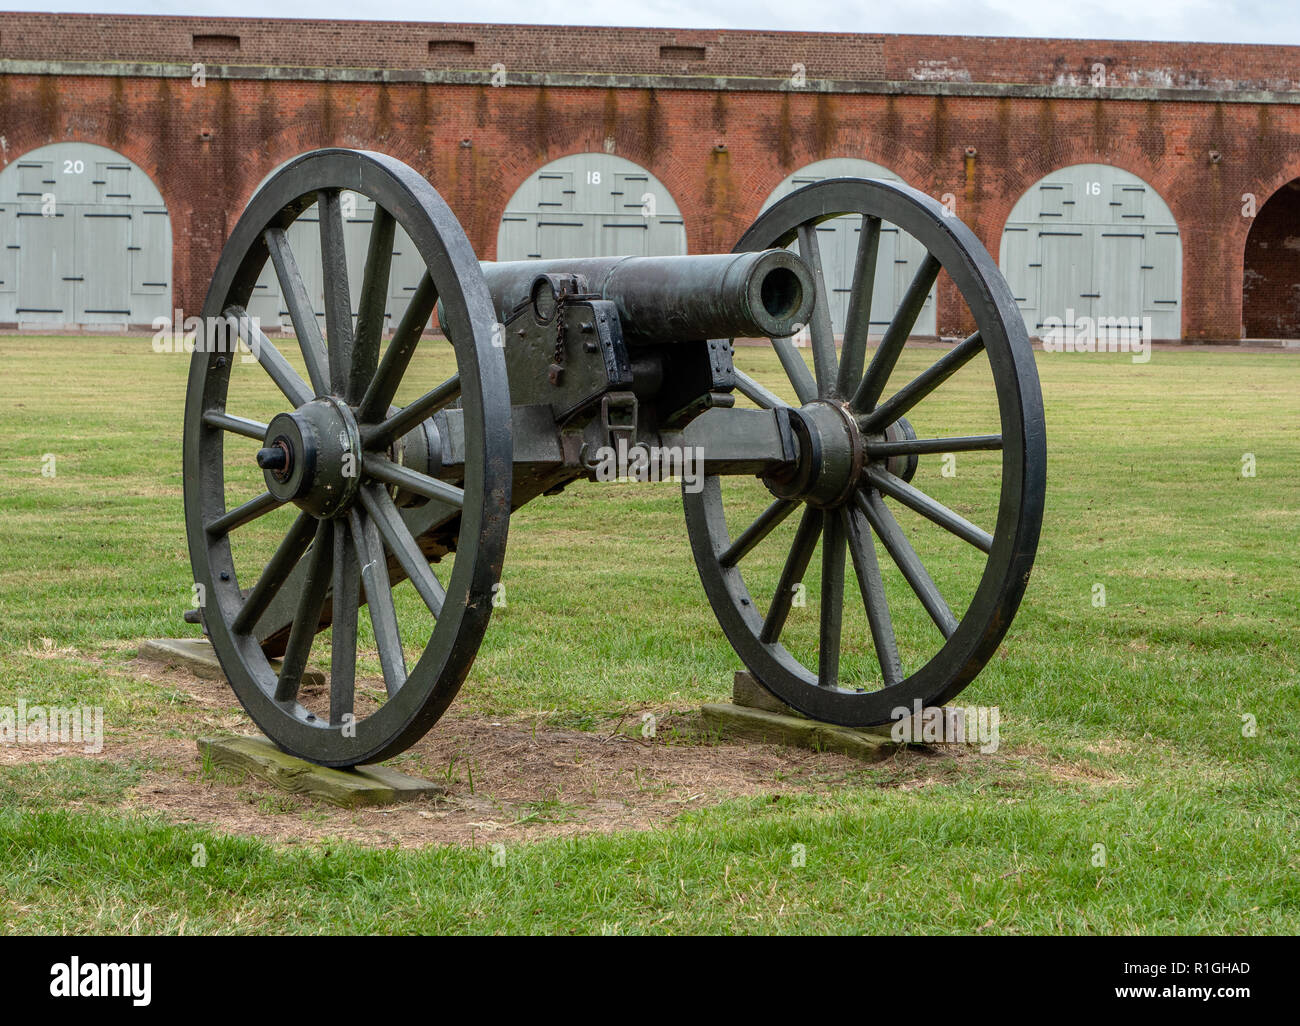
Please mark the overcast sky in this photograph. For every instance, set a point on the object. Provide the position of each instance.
(1237, 21)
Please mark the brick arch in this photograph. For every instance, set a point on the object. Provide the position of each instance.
(1128, 167)
(141, 155)
(995, 212)
(516, 172)
(1124, 155)
(763, 178)
(143, 306)
(1265, 190)
(1270, 267)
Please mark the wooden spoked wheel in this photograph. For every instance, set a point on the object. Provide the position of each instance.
(363, 481)
(857, 477)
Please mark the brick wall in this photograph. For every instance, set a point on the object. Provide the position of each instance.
(719, 152)
(1091, 61)
(274, 41)
(387, 44)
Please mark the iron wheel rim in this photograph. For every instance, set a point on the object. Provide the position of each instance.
(1002, 584)
(467, 314)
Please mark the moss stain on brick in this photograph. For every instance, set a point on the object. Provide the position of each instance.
(609, 114)
(425, 110)
(169, 127)
(1151, 134)
(719, 194)
(542, 127)
(1002, 133)
(1046, 155)
(325, 118)
(47, 103)
(383, 127)
(784, 145)
(268, 115)
(823, 125)
(224, 150)
(117, 113)
(1102, 138)
(892, 126)
(653, 125)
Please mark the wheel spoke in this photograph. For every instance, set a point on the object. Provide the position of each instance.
(383, 386)
(338, 296)
(921, 446)
(285, 377)
(796, 564)
(902, 553)
(384, 513)
(343, 635)
(757, 531)
(857, 326)
(865, 566)
(832, 602)
(241, 515)
(931, 509)
(379, 599)
(306, 619)
(413, 481)
(896, 336)
(820, 328)
(382, 435)
(795, 369)
(923, 384)
(372, 304)
(275, 573)
(301, 313)
(750, 388)
(237, 425)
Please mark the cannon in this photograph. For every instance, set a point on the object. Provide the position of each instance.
(558, 365)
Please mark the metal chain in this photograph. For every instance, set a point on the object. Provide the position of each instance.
(560, 327)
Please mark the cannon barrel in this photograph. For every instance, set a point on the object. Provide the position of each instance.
(768, 293)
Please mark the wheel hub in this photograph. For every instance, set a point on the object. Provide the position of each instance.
(312, 457)
(831, 456)
(901, 466)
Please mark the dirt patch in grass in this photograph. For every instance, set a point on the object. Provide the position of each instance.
(1085, 773)
(507, 780)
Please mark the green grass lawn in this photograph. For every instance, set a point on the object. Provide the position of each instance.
(1123, 725)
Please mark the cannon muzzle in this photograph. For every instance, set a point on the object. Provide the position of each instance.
(765, 294)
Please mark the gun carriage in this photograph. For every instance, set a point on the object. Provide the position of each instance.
(560, 362)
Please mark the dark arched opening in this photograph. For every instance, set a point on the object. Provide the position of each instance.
(1270, 290)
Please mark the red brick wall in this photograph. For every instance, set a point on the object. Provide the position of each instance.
(382, 44)
(254, 125)
(407, 45)
(1272, 282)
(1077, 61)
